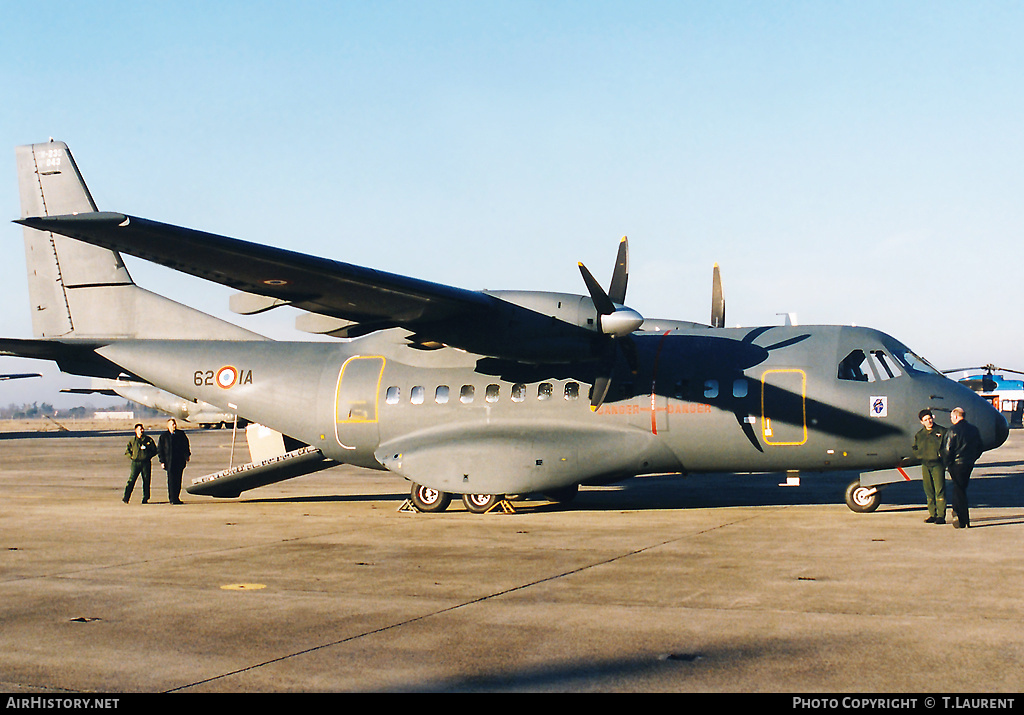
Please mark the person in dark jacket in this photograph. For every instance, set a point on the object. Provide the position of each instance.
(961, 449)
(140, 450)
(174, 455)
(928, 448)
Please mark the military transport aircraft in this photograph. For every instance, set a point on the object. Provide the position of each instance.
(20, 375)
(463, 392)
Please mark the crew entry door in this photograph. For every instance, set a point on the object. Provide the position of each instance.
(357, 403)
(783, 407)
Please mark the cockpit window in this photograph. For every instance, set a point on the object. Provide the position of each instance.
(855, 367)
(885, 366)
(914, 363)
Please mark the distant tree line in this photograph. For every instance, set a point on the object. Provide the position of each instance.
(38, 410)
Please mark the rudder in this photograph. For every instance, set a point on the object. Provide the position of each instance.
(80, 290)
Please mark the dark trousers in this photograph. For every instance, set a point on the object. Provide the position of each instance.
(174, 484)
(961, 475)
(143, 468)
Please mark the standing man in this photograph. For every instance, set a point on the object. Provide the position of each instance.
(961, 450)
(928, 448)
(174, 455)
(141, 450)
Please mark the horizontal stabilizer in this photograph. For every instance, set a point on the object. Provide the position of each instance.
(73, 356)
(232, 482)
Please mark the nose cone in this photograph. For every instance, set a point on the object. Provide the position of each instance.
(989, 421)
(980, 412)
(1002, 431)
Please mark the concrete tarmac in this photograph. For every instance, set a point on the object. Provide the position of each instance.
(714, 583)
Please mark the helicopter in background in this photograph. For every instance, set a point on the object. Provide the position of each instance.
(1005, 394)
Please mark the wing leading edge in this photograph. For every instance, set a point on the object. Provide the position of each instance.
(434, 312)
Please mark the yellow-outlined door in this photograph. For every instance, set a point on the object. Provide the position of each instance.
(784, 407)
(356, 401)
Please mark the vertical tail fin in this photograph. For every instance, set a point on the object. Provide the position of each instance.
(80, 290)
(50, 184)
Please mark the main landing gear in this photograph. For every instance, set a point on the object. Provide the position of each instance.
(429, 500)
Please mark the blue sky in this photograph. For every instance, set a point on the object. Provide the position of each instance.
(850, 162)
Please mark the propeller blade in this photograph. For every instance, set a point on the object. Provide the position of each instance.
(717, 300)
(599, 391)
(601, 300)
(617, 288)
(617, 323)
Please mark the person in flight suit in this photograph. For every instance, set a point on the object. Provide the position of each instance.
(174, 455)
(141, 450)
(928, 448)
(961, 449)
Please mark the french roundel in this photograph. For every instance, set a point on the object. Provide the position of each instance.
(226, 377)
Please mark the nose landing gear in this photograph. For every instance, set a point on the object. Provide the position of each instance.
(861, 499)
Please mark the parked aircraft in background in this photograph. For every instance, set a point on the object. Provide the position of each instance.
(198, 413)
(1005, 394)
(20, 375)
(472, 393)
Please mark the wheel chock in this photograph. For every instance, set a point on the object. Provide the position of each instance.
(505, 506)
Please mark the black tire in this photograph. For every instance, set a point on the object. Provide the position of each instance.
(862, 500)
(429, 500)
(480, 503)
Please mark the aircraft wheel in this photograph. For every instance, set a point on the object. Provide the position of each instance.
(430, 500)
(860, 499)
(479, 503)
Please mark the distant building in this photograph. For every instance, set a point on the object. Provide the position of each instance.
(113, 415)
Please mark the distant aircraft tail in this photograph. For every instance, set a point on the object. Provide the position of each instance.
(84, 291)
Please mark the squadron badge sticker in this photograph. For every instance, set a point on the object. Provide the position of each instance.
(879, 406)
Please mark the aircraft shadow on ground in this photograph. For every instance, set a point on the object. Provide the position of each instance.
(1003, 488)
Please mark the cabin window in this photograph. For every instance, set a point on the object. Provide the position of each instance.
(441, 395)
(544, 391)
(572, 390)
(855, 367)
(711, 389)
(491, 394)
(416, 395)
(680, 389)
(739, 388)
(393, 396)
(467, 394)
(518, 392)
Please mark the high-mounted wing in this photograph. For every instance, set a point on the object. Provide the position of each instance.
(437, 313)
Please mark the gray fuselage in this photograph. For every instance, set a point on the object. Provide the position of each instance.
(741, 400)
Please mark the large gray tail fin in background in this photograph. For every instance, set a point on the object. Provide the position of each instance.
(78, 290)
